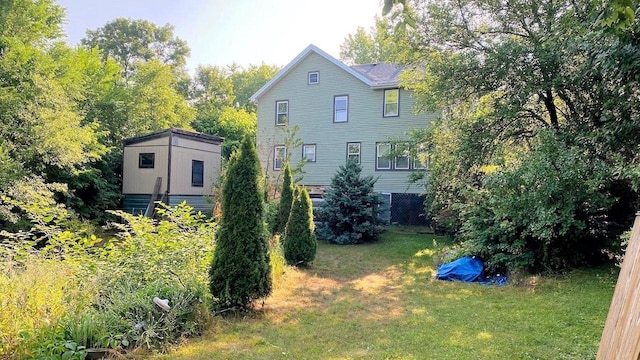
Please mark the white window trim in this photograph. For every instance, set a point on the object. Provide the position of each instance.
(335, 111)
(359, 153)
(275, 156)
(278, 113)
(317, 74)
(395, 158)
(304, 152)
(378, 145)
(384, 104)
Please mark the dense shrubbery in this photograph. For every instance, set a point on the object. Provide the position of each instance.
(350, 212)
(542, 214)
(300, 243)
(70, 295)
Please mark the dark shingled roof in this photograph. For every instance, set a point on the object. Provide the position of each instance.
(380, 73)
(206, 138)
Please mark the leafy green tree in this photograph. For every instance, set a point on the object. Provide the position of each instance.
(246, 81)
(350, 212)
(286, 200)
(155, 103)
(525, 76)
(135, 41)
(383, 43)
(240, 270)
(300, 244)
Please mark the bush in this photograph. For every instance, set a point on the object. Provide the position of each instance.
(240, 271)
(541, 215)
(68, 295)
(350, 212)
(300, 243)
(286, 199)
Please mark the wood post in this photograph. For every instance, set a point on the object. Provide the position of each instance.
(621, 335)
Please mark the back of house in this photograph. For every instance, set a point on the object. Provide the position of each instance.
(342, 112)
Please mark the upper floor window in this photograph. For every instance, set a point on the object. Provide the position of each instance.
(282, 112)
(197, 173)
(279, 156)
(340, 108)
(309, 152)
(353, 151)
(391, 102)
(313, 77)
(146, 160)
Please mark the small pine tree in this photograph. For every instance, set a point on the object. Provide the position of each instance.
(350, 211)
(240, 271)
(286, 198)
(300, 242)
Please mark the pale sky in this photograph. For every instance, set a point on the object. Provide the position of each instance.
(221, 32)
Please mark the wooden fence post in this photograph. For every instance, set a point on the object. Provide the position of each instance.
(621, 335)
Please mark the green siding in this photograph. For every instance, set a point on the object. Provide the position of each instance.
(311, 108)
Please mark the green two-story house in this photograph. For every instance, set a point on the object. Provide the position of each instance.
(342, 112)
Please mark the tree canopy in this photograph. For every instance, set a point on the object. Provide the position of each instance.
(523, 86)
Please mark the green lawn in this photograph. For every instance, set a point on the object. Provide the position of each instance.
(380, 301)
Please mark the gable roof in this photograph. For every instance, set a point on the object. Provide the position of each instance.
(373, 75)
(206, 138)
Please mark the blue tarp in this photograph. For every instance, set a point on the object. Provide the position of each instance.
(466, 269)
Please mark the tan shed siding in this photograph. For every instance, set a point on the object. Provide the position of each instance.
(311, 108)
(183, 152)
(142, 181)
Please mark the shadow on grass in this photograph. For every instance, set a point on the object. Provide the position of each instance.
(379, 301)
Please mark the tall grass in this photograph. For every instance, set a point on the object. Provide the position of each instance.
(36, 294)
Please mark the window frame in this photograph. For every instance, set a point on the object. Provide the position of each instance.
(407, 156)
(311, 73)
(378, 167)
(359, 153)
(385, 103)
(193, 173)
(278, 113)
(304, 153)
(147, 166)
(335, 110)
(276, 149)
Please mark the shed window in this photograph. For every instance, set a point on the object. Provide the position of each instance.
(197, 173)
(146, 160)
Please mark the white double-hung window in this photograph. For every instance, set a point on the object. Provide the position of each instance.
(341, 108)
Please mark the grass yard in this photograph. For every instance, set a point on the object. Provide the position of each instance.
(380, 301)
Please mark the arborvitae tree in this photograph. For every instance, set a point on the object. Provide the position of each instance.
(286, 198)
(350, 212)
(300, 243)
(240, 271)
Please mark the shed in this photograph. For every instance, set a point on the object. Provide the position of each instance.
(171, 166)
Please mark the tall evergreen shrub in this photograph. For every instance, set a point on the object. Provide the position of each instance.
(300, 242)
(240, 270)
(286, 198)
(350, 212)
